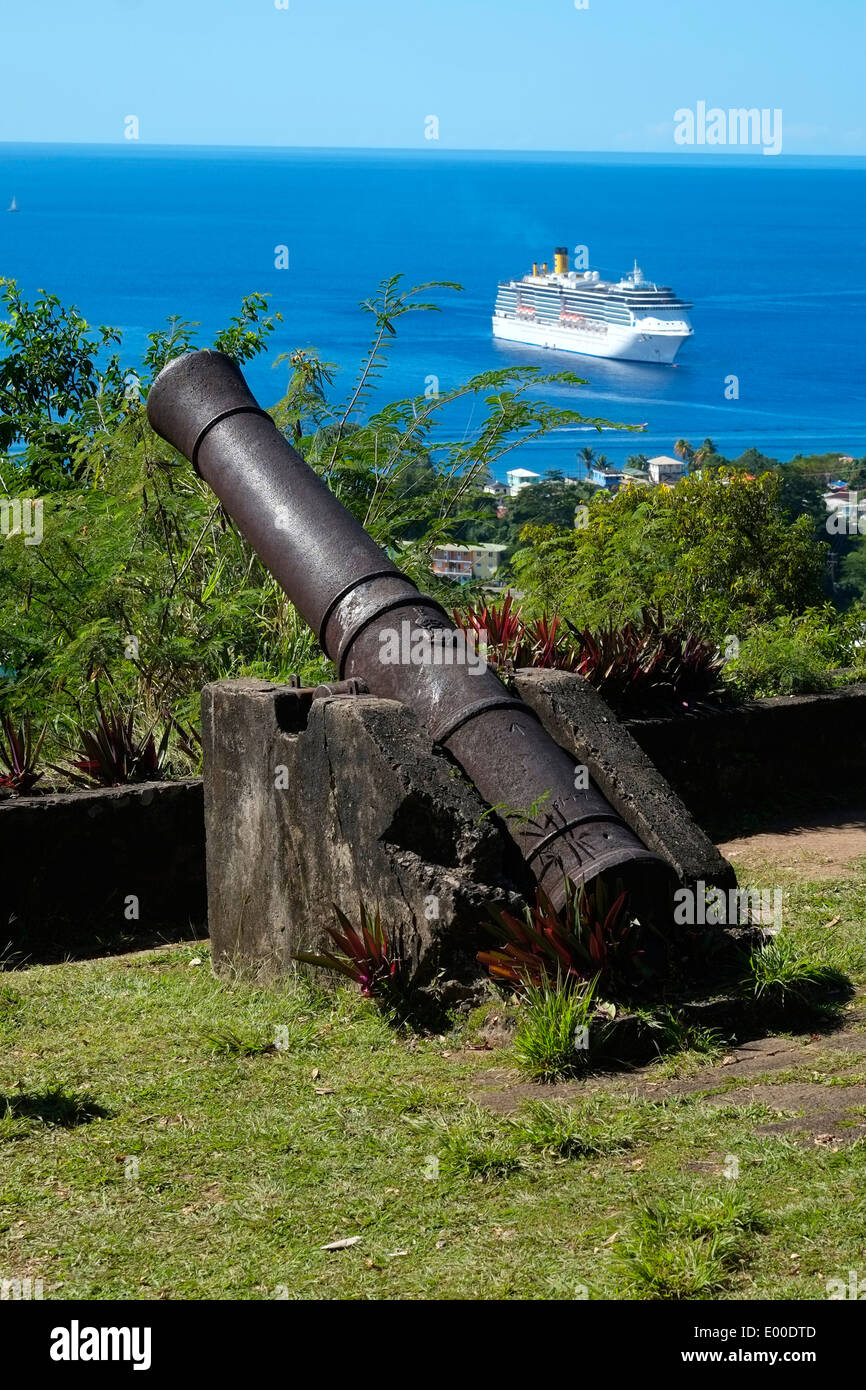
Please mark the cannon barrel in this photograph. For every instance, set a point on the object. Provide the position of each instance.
(378, 628)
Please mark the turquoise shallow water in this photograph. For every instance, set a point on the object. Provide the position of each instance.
(770, 252)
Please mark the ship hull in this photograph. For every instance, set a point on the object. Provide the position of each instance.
(610, 340)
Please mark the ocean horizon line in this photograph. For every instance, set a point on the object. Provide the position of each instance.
(435, 149)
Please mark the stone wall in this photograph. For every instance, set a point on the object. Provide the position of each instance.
(739, 768)
(97, 870)
(69, 864)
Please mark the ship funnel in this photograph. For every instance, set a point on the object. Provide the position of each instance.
(560, 260)
(535, 268)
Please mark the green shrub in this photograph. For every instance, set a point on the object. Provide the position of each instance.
(789, 656)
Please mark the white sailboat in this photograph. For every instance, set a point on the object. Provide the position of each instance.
(13, 206)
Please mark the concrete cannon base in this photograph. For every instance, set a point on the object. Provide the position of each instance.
(343, 800)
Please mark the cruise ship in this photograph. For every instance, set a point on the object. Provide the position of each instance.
(631, 319)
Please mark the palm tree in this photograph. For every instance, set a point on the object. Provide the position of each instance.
(706, 451)
(684, 451)
(639, 462)
(588, 456)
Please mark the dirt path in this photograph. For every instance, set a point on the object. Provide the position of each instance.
(825, 846)
(816, 1082)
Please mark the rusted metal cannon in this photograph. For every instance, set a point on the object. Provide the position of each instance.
(378, 629)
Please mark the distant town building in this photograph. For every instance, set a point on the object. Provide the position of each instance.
(664, 469)
(464, 562)
(609, 478)
(518, 478)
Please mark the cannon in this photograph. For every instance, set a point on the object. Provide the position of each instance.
(358, 602)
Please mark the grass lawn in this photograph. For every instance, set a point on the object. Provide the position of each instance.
(154, 1143)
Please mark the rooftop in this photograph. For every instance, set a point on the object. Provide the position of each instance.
(472, 546)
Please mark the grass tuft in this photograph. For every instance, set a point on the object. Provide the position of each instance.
(227, 1041)
(10, 1001)
(688, 1247)
(559, 1030)
(678, 1034)
(472, 1146)
(782, 975)
(565, 1131)
(54, 1106)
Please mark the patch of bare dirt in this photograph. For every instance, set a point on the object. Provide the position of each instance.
(831, 845)
(828, 1106)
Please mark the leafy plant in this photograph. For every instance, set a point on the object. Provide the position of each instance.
(510, 641)
(560, 1028)
(188, 741)
(367, 957)
(641, 665)
(20, 757)
(636, 666)
(793, 655)
(112, 753)
(592, 935)
(500, 631)
(674, 1033)
(550, 644)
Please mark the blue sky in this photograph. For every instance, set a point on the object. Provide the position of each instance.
(498, 74)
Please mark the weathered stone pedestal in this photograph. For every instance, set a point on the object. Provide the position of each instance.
(344, 799)
(576, 716)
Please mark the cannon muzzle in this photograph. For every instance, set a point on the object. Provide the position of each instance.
(377, 628)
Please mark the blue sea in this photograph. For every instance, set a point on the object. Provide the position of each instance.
(770, 251)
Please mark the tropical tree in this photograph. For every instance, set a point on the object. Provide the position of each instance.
(720, 551)
(704, 453)
(142, 589)
(684, 450)
(51, 386)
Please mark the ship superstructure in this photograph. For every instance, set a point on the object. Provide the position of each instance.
(632, 319)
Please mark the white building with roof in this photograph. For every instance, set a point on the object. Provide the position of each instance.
(664, 469)
(518, 478)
